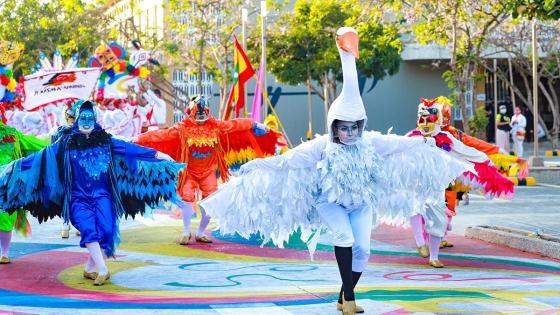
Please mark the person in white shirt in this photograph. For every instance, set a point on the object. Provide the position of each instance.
(518, 124)
(155, 112)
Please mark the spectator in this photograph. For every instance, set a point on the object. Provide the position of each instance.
(518, 125)
(490, 134)
(503, 123)
(508, 103)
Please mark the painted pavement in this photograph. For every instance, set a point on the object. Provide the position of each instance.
(152, 275)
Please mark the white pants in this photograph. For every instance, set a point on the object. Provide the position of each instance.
(517, 145)
(502, 139)
(349, 228)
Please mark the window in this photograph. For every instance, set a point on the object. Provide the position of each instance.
(468, 102)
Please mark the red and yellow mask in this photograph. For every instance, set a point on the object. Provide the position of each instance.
(106, 57)
(430, 117)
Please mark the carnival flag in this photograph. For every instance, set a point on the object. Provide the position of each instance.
(41, 89)
(256, 109)
(242, 72)
(228, 111)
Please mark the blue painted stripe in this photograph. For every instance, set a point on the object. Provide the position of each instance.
(11, 298)
(18, 249)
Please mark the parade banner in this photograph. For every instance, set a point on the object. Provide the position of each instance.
(41, 88)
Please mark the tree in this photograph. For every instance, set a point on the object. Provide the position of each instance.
(202, 31)
(514, 38)
(301, 46)
(541, 9)
(69, 25)
(461, 26)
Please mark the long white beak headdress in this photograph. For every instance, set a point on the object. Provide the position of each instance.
(348, 106)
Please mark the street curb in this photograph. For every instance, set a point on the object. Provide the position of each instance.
(518, 239)
(547, 175)
(552, 153)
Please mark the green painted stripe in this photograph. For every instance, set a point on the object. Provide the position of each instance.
(418, 295)
(474, 258)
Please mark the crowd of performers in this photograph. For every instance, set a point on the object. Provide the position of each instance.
(345, 182)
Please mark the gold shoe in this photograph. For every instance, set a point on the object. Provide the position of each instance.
(101, 279)
(203, 239)
(90, 275)
(348, 307)
(4, 260)
(445, 243)
(424, 251)
(184, 240)
(436, 264)
(65, 233)
(78, 233)
(359, 309)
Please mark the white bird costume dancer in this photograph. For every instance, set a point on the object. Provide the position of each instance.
(338, 180)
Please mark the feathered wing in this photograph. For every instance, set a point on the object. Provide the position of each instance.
(243, 146)
(416, 174)
(510, 165)
(142, 183)
(33, 184)
(488, 180)
(167, 141)
(269, 199)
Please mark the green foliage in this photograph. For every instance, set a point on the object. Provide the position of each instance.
(541, 9)
(478, 121)
(462, 27)
(203, 34)
(301, 45)
(69, 25)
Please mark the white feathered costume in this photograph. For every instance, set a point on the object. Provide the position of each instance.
(391, 175)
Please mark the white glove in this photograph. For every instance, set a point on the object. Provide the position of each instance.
(163, 156)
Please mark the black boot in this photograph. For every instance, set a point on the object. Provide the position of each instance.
(344, 261)
(355, 278)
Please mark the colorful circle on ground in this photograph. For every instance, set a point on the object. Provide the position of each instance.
(237, 276)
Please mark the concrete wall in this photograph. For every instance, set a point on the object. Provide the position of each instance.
(391, 103)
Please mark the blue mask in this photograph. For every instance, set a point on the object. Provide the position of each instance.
(86, 121)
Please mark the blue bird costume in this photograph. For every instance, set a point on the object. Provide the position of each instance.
(91, 182)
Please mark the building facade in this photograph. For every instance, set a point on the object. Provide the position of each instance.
(147, 18)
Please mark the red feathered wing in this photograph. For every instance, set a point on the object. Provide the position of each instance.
(166, 140)
(242, 146)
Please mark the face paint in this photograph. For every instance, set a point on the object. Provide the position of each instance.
(86, 121)
(347, 132)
